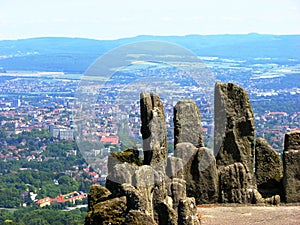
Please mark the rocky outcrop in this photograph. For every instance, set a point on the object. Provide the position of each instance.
(187, 212)
(178, 191)
(199, 172)
(174, 167)
(291, 167)
(111, 211)
(268, 169)
(234, 126)
(187, 123)
(130, 156)
(234, 143)
(136, 200)
(165, 190)
(144, 181)
(207, 176)
(118, 175)
(153, 129)
(235, 184)
(97, 194)
(135, 217)
(292, 141)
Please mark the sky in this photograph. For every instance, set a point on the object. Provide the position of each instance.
(113, 19)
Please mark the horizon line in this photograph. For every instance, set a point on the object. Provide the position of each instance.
(148, 35)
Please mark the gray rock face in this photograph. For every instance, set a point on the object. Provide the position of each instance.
(144, 181)
(135, 217)
(97, 194)
(200, 172)
(178, 191)
(291, 167)
(205, 177)
(119, 174)
(153, 129)
(292, 141)
(174, 167)
(135, 199)
(187, 212)
(235, 184)
(187, 152)
(234, 126)
(112, 211)
(268, 169)
(187, 123)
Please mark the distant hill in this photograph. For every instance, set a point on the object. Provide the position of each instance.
(76, 54)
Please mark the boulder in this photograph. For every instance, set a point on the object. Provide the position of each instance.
(134, 198)
(153, 129)
(112, 211)
(187, 212)
(97, 194)
(234, 126)
(291, 167)
(185, 151)
(235, 184)
(268, 169)
(119, 174)
(174, 167)
(205, 177)
(199, 171)
(187, 123)
(135, 217)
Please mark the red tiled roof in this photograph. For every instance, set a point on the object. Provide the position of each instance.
(110, 139)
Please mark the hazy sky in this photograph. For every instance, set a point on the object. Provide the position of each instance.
(113, 19)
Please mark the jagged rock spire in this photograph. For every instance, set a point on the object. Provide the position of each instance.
(234, 126)
(153, 129)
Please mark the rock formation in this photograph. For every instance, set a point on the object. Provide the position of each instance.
(268, 169)
(153, 129)
(110, 211)
(291, 167)
(187, 212)
(199, 172)
(187, 123)
(165, 190)
(174, 167)
(234, 184)
(234, 126)
(143, 192)
(234, 143)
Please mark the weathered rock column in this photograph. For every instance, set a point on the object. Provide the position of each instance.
(187, 123)
(291, 167)
(234, 143)
(268, 169)
(234, 126)
(153, 129)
